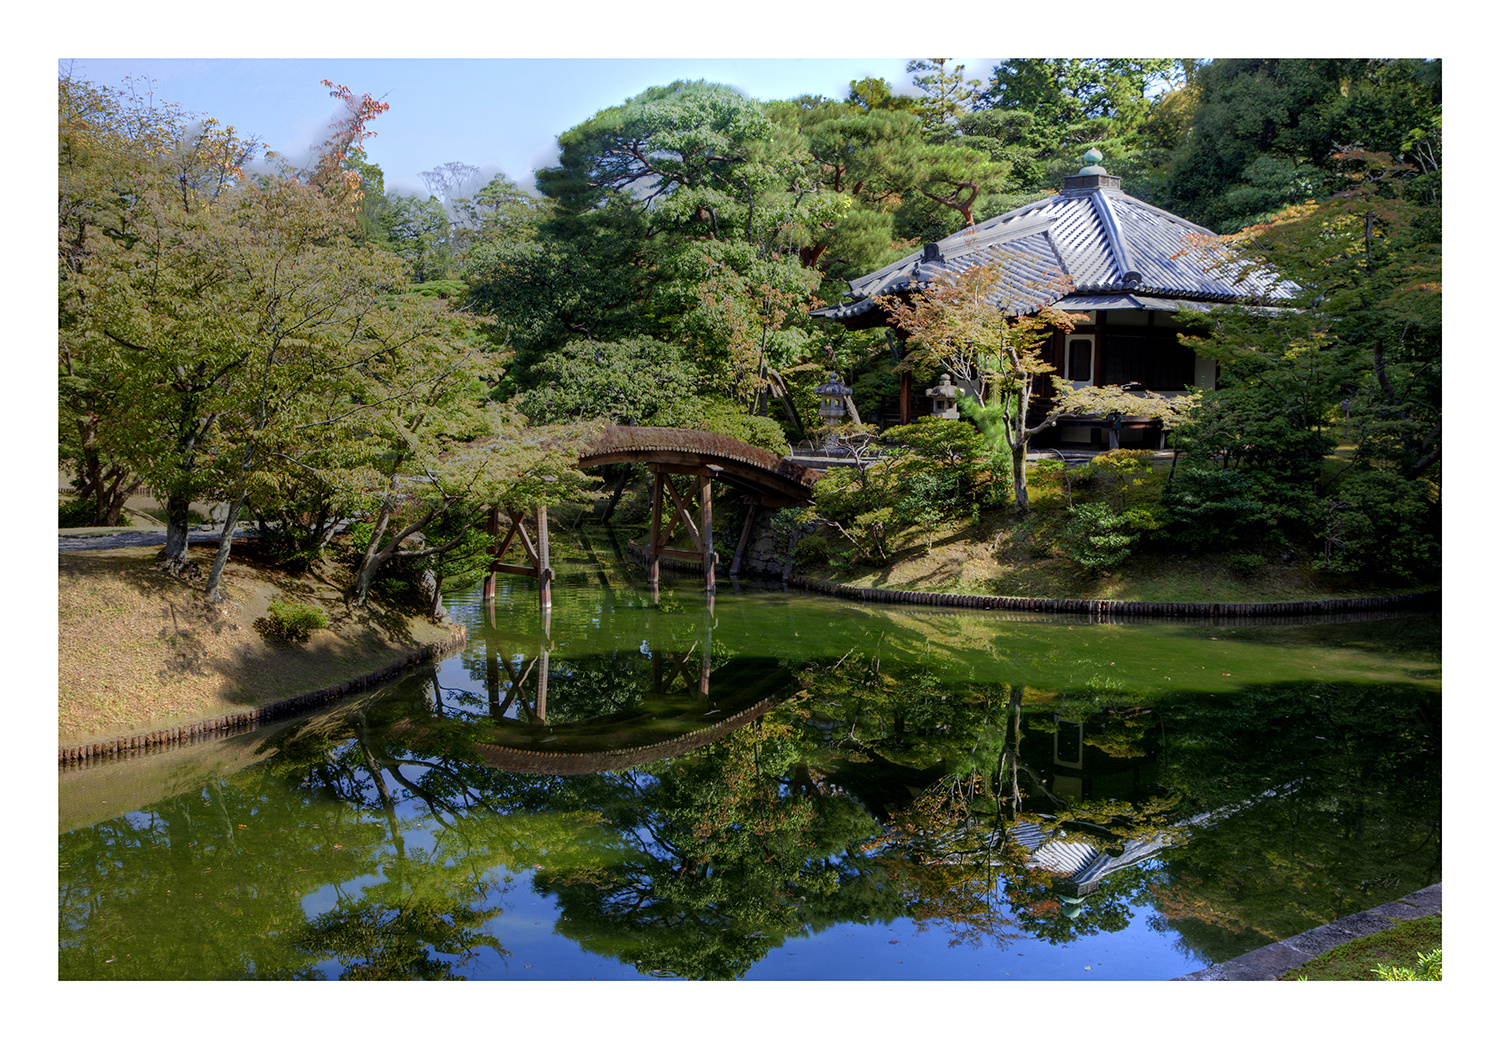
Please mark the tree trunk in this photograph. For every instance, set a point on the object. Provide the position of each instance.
(1018, 465)
(221, 557)
(175, 550)
(614, 499)
(784, 394)
(371, 561)
(106, 484)
(376, 557)
(110, 504)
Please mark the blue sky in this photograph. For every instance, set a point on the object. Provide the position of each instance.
(495, 113)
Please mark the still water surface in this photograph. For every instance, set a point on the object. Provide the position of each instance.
(779, 786)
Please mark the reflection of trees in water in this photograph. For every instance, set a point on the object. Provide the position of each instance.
(209, 885)
(731, 851)
(880, 790)
(1354, 820)
(1358, 824)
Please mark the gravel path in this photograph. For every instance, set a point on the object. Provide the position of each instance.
(136, 539)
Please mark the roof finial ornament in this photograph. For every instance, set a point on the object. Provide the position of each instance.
(1092, 157)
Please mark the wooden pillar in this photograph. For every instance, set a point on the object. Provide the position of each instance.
(493, 529)
(653, 560)
(492, 671)
(905, 401)
(1103, 319)
(705, 663)
(706, 528)
(542, 664)
(543, 559)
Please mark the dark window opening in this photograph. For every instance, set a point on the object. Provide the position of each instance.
(1081, 360)
(1156, 362)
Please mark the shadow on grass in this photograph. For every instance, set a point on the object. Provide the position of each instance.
(199, 640)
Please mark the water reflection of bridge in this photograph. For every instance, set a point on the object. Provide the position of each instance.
(686, 705)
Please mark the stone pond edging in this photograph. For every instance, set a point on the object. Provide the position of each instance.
(1271, 961)
(250, 718)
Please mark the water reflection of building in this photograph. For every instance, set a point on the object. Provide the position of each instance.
(1080, 863)
(1081, 769)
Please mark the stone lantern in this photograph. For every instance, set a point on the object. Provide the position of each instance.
(832, 394)
(944, 398)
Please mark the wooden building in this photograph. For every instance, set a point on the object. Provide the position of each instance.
(1130, 269)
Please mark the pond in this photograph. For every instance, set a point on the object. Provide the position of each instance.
(775, 785)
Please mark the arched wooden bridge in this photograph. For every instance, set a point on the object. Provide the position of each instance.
(764, 475)
(767, 480)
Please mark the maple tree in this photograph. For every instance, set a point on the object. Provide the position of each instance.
(994, 357)
(224, 336)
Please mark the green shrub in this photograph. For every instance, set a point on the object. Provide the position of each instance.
(1097, 538)
(294, 621)
(812, 551)
(1376, 521)
(926, 499)
(1429, 968)
(1247, 564)
(1147, 520)
(74, 512)
(953, 452)
(724, 417)
(1210, 506)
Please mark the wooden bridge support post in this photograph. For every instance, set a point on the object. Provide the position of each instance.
(653, 547)
(493, 529)
(739, 549)
(492, 671)
(544, 661)
(705, 664)
(543, 560)
(706, 529)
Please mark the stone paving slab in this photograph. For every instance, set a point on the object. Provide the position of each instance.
(1271, 961)
(1428, 897)
(1319, 940)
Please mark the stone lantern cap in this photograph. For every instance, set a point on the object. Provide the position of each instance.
(944, 388)
(833, 388)
(944, 398)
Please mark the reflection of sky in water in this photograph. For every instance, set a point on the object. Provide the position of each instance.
(1136, 953)
(852, 951)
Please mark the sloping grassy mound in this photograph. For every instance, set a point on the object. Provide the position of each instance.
(139, 650)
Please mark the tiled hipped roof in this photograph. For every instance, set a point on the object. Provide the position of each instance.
(1091, 246)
